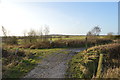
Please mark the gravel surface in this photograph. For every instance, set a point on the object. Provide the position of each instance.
(53, 66)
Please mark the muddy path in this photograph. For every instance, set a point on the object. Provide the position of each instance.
(53, 66)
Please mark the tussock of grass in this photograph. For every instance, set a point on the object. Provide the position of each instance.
(112, 73)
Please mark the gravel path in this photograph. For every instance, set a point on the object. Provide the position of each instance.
(53, 66)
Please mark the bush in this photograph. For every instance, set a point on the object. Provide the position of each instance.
(41, 45)
(5, 53)
(10, 56)
(76, 43)
(20, 53)
(16, 65)
(64, 43)
(27, 45)
(58, 43)
(103, 41)
(10, 40)
(112, 50)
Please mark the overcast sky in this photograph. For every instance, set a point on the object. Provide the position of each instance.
(62, 17)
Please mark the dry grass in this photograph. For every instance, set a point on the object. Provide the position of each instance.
(84, 64)
(112, 73)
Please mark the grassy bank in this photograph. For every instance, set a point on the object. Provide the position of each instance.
(84, 64)
(19, 59)
(19, 64)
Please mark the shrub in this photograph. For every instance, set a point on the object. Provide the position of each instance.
(64, 43)
(103, 41)
(5, 53)
(16, 65)
(10, 40)
(27, 45)
(21, 54)
(112, 50)
(41, 45)
(58, 43)
(10, 56)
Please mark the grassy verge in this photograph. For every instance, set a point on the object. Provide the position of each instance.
(84, 64)
(15, 66)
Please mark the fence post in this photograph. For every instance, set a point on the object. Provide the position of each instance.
(16, 51)
(99, 66)
(86, 43)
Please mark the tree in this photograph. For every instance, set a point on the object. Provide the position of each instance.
(110, 33)
(89, 33)
(4, 31)
(32, 35)
(96, 30)
(25, 36)
(92, 35)
(40, 33)
(5, 40)
(24, 33)
(46, 31)
(9, 39)
(32, 32)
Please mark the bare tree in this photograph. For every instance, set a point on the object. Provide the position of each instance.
(40, 33)
(110, 33)
(92, 35)
(4, 39)
(89, 33)
(32, 35)
(46, 31)
(32, 32)
(96, 30)
(4, 31)
(24, 33)
(25, 36)
(9, 39)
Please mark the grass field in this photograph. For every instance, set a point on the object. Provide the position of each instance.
(59, 40)
(20, 41)
(17, 57)
(14, 67)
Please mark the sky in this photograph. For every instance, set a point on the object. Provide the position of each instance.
(70, 18)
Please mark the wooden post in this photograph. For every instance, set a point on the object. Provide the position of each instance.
(51, 42)
(99, 66)
(86, 43)
(16, 51)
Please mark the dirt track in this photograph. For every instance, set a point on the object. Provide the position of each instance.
(53, 66)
